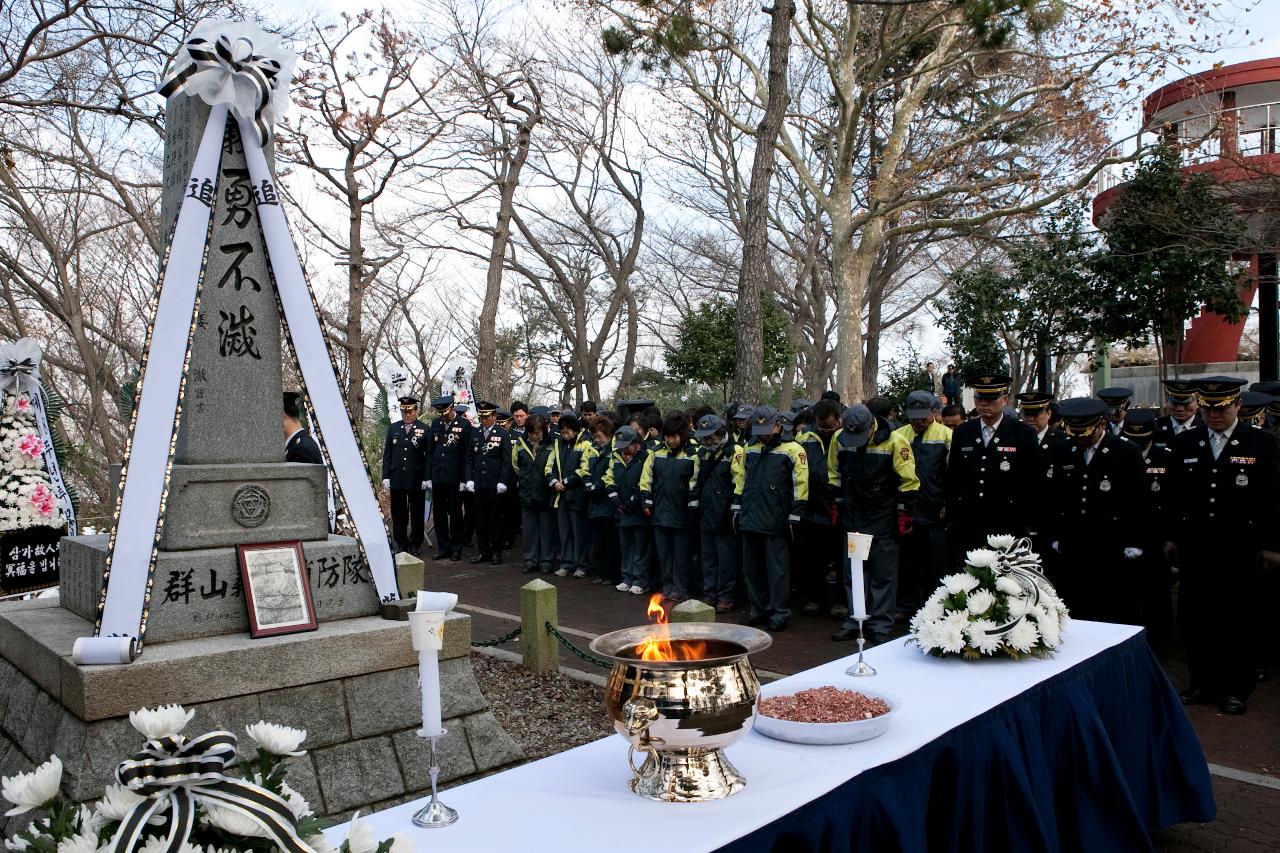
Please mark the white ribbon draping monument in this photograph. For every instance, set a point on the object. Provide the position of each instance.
(236, 67)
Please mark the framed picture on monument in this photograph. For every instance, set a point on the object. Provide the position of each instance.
(277, 590)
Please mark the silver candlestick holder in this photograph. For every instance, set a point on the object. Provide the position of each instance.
(861, 668)
(435, 813)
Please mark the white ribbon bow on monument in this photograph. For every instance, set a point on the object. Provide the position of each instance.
(20, 366)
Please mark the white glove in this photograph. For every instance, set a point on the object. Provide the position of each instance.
(693, 504)
(386, 484)
(1132, 553)
(502, 488)
(471, 485)
(1054, 545)
(428, 484)
(425, 485)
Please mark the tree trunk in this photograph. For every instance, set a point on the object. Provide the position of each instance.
(753, 275)
(875, 317)
(629, 358)
(353, 332)
(852, 270)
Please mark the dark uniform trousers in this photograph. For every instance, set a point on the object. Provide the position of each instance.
(540, 537)
(989, 485)
(446, 507)
(766, 568)
(1226, 514)
(404, 466)
(924, 560)
(408, 511)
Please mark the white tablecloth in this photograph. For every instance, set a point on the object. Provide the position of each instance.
(579, 800)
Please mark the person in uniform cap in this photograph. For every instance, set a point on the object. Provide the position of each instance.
(1253, 407)
(1095, 524)
(1156, 577)
(798, 406)
(1272, 419)
(818, 543)
(771, 488)
(1117, 399)
(299, 446)
(1036, 412)
(742, 423)
(873, 471)
(509, 503)
(1183, 411)
(623, 484)
(602, 530)
(567, 470)
(450, 444)
(720, 551)
(669, 485)
(924, 549)
(491, 473)
(1222, 505)
(992, 467)
(406, 475)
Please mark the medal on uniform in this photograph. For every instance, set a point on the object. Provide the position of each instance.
(1104, 485)
(1242, 479)
(1004, 465)
(1155, 487)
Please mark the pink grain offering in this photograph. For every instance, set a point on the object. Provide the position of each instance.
(824, 705)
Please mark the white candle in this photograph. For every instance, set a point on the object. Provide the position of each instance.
(859, 546)
(426, 626)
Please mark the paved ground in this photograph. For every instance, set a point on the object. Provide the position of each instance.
(1244, 751)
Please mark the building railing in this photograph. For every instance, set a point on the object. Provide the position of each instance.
(1237, 133)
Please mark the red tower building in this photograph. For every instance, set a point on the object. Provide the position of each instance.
(1226, 123)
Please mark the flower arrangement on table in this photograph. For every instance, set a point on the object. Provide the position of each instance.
(1000, 604)
(178, 795)
(26, 492)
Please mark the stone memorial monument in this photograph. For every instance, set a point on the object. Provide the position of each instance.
(352, 684)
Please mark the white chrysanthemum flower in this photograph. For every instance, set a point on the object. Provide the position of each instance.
(318, 843)
(1049, 631)
(1002, 541)
(1008, 585)
(32, 790)
(982, 558)
(360, 837)
(162, 721)
(277, 739)
(926, 635)
(976, 633)
(82, 842)
(297, 803)
(400, 843)
(959, 583)
(233, 822)
(979, 601)
(930, 612)
(160, 843)
(16, 844)
(951, 631)
(1023, 636)
(117, 801)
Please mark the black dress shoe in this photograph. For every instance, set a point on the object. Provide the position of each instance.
(756, 621)
(528, 570)
(496, 560)
(441, 555)
(478, 558)
(457, 557)
(776, 625)
(1231, 705)
(1194, 696)
(844, 635)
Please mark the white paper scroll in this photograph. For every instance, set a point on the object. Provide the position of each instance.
(318, 374)
(145, 474)
(103, 650)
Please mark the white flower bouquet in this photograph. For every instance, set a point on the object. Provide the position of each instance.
(1000, 604)
(178, 795)
(26, 492)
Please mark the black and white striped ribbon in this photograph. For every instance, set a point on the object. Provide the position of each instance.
(1021, 564)
(260, 71)
(181, 773)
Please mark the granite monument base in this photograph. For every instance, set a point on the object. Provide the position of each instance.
(352, 685)
(198, 593)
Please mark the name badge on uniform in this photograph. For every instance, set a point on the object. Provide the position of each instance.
(1004, 465)
(1104, 485)
(1242, 479)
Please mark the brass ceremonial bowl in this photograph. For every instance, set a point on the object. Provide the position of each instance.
(682, 713)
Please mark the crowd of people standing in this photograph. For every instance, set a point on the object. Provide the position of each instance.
(755, 503)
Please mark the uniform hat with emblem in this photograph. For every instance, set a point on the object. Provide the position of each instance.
(410, 400)
(484, 407)
(920, 404)
(1271, 387)
(708, 425)
(293, 404)
(788, 422)
(440, 403)
(626, 435)
(1034, 402)
(540, 410)
(1180, 390)
(798, 406)
(731, 410)
(1116, 397)
(989, 386)
(1139, 424)
(1214, 391)
(1080, 415)
(856, 426)
(1253, 403)
(503, 415)
(745, 412)
(763, 420)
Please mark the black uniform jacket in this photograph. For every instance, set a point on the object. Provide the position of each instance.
(404, 456)
(990, 486)
(449, 451)
(1226, 504)
(303, 448)
(491, 459)
(1101, 505)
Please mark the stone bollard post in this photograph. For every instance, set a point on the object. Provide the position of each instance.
(538, 647)
(411, 574)
(693, 611)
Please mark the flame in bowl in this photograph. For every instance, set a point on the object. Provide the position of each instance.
(658, 645)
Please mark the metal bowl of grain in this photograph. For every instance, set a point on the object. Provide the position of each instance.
(812, 712)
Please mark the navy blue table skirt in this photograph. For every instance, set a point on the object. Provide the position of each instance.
(1088, 760)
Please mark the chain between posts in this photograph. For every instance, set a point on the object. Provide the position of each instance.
(589, 658)
(505, 638)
